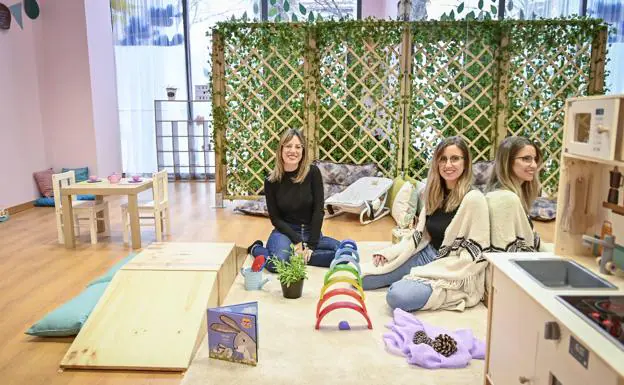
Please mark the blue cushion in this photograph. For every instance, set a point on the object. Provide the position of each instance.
(86, 197)
(45, 202)
(108, 276)
(68, 319)
(82, 173)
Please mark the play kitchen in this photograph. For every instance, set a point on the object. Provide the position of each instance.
(556, 318)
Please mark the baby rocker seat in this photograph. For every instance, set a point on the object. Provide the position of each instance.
(366, 196)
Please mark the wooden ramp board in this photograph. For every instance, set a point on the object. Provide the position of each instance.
(223, 258)
(146, 320)
(152, 315)
(182, 256)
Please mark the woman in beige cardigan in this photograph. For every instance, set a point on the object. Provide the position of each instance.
(441, 265)
(512, 189)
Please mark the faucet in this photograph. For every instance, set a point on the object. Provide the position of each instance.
(608, 244)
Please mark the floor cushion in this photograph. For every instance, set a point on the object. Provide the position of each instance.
(256, 207)
(44, 202)
(544, 209)
(67, 319)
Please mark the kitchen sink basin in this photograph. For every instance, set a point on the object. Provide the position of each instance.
(562, 274)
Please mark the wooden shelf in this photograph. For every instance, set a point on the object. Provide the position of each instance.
(613, 207)
(594, 160)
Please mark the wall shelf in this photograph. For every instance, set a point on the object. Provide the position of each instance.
(613, 207)
(594, 160)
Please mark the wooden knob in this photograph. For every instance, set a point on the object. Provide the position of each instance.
(523, 380)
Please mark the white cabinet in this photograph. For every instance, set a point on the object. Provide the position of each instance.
(518, 351)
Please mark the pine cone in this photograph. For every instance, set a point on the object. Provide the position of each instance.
(420, 337)
(445, 345)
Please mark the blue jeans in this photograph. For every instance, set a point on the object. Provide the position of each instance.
(279, 245)
(421, 258)
(408, 295)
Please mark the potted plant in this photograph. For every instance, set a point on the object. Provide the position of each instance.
(171, 92)
(291, 274)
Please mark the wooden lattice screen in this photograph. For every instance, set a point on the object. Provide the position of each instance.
(386, 92)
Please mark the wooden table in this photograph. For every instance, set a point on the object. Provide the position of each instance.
(100, 189)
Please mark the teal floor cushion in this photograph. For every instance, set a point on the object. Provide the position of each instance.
(68, 319)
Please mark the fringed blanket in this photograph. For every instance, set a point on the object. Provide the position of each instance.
(511, 229)
(457, 276)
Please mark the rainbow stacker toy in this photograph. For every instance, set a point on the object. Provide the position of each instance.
(346, 260)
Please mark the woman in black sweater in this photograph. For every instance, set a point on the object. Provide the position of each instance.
(295, 199)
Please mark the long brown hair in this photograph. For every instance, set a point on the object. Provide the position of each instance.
(304, 164)
(434, 193)
(503, 176)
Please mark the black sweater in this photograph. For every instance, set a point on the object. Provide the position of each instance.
(436, 225)
(297, 203)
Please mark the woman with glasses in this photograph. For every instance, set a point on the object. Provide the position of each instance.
(442, 264)
(512, 189)
(295, 200)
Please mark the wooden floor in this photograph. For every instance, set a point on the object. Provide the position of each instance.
(38, 275)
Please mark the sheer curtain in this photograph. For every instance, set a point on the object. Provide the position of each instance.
(149, 57)
(612, 11)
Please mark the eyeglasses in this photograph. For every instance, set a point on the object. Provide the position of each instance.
(296, 147)
(454, 160)
(528, 159)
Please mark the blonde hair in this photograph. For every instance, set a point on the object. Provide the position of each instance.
(304, 164)
(503, 176)
(434, 193)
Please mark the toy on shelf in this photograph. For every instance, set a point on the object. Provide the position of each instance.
(347, 260)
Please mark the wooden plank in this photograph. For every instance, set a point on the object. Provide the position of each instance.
(196, 256)
(146, 320)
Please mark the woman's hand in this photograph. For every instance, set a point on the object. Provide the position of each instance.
(379, 260)
(307, 254)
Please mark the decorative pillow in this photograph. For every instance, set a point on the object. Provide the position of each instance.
(256, 207)
(68, 319)
(403, 208)
(82, 174)
(344, 173)
(544, 209)
(338, 176)
(397, 183)
(44, 182)
(44, 202)
(482, 171)
(108, 276)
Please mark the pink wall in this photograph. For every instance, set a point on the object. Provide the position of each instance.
(66, 105)
(22, 149)
(58, 105)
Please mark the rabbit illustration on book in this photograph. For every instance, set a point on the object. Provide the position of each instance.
(243, 343)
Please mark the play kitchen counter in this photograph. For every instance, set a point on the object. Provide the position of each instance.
(548, 321)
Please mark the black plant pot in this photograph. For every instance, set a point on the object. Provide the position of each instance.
(294, 290)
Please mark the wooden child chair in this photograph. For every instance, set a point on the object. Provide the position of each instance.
(83, 210)
(156, 209)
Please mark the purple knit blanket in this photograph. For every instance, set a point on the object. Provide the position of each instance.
(400, 341)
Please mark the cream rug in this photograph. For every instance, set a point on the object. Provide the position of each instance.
(291, 351)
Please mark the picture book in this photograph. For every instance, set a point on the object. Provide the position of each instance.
(233, 333)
